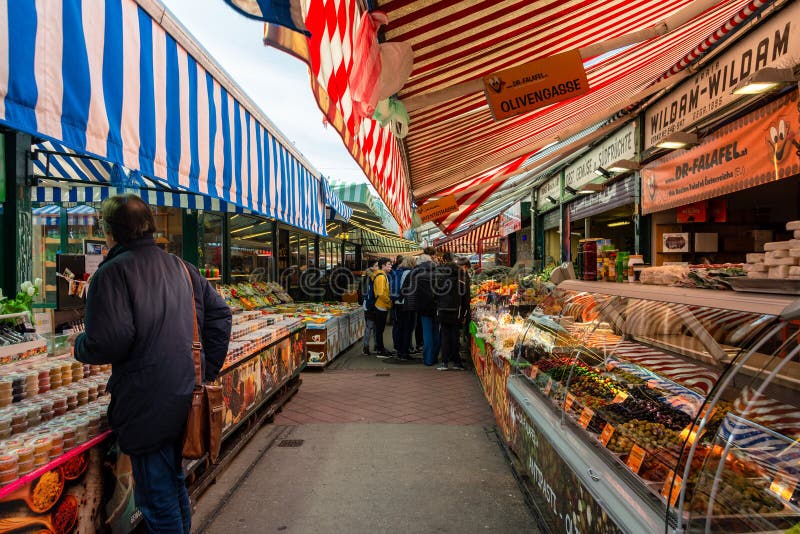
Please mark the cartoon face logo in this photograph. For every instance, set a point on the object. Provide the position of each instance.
(777, 140)
(651, 186)
(496, 84)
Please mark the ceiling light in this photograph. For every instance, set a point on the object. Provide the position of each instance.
(570, 190)
(600, 171)
(614, 224)
(763, 81)
(624, 165)
(551, 199)
(588, 189)
(678, 140)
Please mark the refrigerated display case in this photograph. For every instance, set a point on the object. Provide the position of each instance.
(644, 409)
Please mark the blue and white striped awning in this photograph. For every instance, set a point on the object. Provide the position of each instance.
(50, 214)
(342, 212)
(105, 78)
(103, 180)
(168, 199)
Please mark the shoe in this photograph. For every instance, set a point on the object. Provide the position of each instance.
(458, 367)
(403, 358)
(442, 367)
(383, 355)
(415, 351)
(366, 352)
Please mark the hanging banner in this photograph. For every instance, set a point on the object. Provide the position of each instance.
(511, 220)
(761, 147)
(775, 43)
(535, 84)
(437, 209)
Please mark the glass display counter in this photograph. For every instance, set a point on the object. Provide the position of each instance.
(647, 409)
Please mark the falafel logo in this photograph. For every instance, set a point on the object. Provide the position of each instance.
(778, 139)
(795, 142)
(496, 84)
(651, 186)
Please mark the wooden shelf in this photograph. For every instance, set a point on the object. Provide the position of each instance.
(214, 279)
(52, 241)
(50, 264)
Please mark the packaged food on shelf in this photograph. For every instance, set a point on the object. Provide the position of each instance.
(670, 385)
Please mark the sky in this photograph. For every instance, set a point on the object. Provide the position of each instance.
(277, 82)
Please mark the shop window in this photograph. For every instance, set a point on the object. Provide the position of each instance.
(323, 255)
(210, 244)
(169, 229)
(62, 228)
(251, 248)
(350, 256)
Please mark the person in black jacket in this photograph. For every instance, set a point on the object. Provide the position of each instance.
(452, 308)
(421, 298)
(139, 318)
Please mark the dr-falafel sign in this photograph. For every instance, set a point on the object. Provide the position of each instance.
(535, 84)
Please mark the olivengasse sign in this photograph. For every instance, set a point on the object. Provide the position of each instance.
(535, 84)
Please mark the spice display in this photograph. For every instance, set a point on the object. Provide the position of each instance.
(74, 467)
(46, 491)
(66, 515)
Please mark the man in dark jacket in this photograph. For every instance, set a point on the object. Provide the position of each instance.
(139, 318)
(423, 300)
(452, 308)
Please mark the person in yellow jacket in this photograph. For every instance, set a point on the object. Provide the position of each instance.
(383, 303)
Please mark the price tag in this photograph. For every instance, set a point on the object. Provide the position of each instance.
(586, 416)
(636, 458)
(534, 371)
(783, 486)
(568, 401)
(548, 386)
(621, 396)
(605, 435)
(673, 497)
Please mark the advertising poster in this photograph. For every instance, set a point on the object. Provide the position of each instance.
(248, 384)
(92, 491)
(761, 147)
(562, 500)
(511, 220)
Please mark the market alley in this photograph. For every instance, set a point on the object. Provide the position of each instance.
(371, 446)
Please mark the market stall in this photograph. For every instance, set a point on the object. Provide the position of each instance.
(60, 468)
(640, 409)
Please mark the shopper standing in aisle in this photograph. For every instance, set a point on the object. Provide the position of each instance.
(382, 305)
(426, 308)
(452, 307)
(464, 265)
(394, 293)
(405, 319)
(139, 319)
(367, 294)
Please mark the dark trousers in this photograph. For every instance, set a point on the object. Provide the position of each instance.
(450, 335)
(418, 332)
(406, 320)
(395, 329)
(160, 492)
(380, 325)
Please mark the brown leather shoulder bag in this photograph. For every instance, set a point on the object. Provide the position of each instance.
(203, 432)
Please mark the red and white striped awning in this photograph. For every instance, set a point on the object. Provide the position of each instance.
(483, 238)
(453, 138)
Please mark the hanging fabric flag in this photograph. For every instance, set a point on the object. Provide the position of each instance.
(366, 63)
(397, 62)
(288, 13)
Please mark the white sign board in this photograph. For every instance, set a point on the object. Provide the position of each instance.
(620, 145)
(551, 187)
(776, 43)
